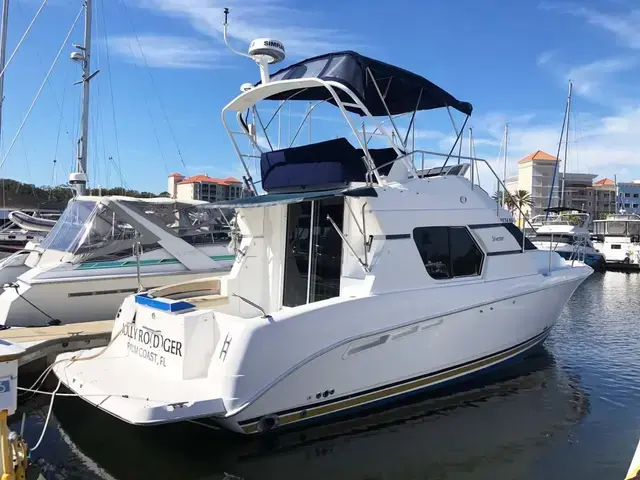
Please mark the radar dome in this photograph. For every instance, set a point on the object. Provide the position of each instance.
(273, 50)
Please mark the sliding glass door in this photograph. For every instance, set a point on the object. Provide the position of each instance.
(313, 252)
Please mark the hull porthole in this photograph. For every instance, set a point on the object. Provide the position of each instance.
(268, 423)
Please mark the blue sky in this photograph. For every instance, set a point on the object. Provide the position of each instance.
(512, 60)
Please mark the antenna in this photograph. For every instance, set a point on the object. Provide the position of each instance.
(224, 34)
(263, 51)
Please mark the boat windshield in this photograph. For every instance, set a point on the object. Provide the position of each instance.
(570, 219)
(559, 238)
(618, 228)
(70, 227)
(90, 229)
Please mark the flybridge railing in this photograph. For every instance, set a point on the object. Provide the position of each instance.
(472, 162)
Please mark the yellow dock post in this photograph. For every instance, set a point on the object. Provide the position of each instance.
(7, 456)
(9, 356)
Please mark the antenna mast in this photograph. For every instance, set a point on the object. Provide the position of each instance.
(79, 178)
(3, 52)
(566, 145)
(504, 172)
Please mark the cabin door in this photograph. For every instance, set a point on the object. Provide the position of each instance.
(313, 253)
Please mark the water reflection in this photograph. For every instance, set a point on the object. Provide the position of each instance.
(494, 430)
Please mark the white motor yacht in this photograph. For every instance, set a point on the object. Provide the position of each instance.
(565, 231)
(105, 248)
(359, 278)
(618, 239)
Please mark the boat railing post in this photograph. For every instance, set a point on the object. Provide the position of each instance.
(550, 250)
(137, 252)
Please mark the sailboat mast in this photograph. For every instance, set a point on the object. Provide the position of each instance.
(79, 178)
(3, 51)
(566, 145)
(504, 172)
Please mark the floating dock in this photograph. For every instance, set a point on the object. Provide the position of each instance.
(42, 344)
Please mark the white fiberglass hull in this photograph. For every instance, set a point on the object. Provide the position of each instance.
(620, 251)
(326, 358)
(85, 300)
(91, 291)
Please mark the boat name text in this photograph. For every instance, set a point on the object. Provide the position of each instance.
(146, 354)
(496, 239)
(152, 339)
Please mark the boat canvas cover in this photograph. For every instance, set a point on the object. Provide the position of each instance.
(320, 165)
(401, 89)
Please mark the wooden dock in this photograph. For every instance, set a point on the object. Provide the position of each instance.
(43, 343)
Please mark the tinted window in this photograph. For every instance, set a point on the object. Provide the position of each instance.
(517, 234)
(448, 252)
(466, 257)
(433, 245)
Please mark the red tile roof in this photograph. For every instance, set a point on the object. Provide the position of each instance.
(538, 155)
(176, 175)
(604, 181)
(207, 179)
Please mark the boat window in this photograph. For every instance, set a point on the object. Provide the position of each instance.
(68, 230)
(556, 238)
(517, 234)
(616, 228)
(92, 230)
(448, 252)
(633, 228)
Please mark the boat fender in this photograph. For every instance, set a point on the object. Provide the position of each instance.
(268, 423)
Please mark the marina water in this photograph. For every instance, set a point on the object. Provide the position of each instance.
(572, 410)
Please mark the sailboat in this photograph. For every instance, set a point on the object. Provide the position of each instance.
(14, 233)
(359, 278)
(104, 248)
(565, 230)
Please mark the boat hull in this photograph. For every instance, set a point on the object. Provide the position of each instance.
(443, 350)
(353, 373)
(78, 300)
(388, 394)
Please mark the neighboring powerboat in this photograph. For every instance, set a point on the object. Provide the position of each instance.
(104, 248)
(565, 232)
(359, 278)
(618, 238)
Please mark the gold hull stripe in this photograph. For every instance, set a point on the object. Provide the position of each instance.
(311, 412)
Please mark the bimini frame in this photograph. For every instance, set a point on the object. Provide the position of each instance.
(246, 102)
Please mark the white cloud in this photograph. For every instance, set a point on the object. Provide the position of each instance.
(625, 26)
(589, 79)
(165, 51)
(254, 19)
(544, 58)
(603, 145)
(597, 81)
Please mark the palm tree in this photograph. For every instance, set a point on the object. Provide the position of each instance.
(508, 200)
(522, 199)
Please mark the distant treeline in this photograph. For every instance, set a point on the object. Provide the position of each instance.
(59, 195)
